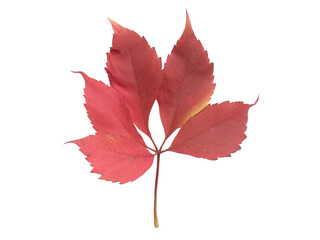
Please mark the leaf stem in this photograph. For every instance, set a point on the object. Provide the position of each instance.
(164, 141)
(162, 151)
(154, 144)
(150, 148)
(156, 222)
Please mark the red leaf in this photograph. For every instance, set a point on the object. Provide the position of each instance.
(135, 70)
(215, 132)
(107, 110)
(187, 81)
(116, 158)
(183, 89)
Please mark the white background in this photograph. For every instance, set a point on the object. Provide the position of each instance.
(267, 190)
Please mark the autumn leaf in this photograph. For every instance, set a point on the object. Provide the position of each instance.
(107, 110)
(215, 132)
(115, 157)
(183, 89)
(134, 69)
(117, 152)
(187, 81)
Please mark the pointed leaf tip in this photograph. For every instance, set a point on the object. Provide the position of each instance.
(82, 73)
(256, 101)
(115, 26)
(188, 27)
(187, 16)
